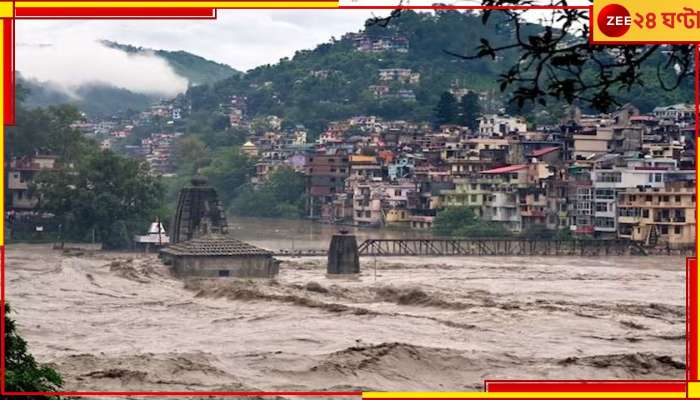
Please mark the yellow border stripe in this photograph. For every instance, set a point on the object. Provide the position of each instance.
(522, 395)
(6, 9)
(178, 4)
(693, 389)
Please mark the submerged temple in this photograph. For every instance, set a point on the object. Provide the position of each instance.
(199, 244)
(216, 255)
(198, 212)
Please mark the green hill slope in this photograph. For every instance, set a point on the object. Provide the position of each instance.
(198, 70)
(333, 81)
(96, 100)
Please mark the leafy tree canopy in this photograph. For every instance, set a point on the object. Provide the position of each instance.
(282, 195)
(100, 190)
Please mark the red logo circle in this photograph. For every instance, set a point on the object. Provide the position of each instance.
(614, 20)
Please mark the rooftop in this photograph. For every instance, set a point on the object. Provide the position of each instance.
(505, 170)
(214, 245)
(546, 150)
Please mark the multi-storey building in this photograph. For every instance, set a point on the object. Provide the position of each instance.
(20, 174)
(501, 125)
(327, 172)
(659, 215)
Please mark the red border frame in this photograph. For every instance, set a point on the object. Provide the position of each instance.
(489, 385)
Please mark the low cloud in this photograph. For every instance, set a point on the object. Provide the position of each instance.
(69, 64)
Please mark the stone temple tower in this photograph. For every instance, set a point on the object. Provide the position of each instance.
(198, 212)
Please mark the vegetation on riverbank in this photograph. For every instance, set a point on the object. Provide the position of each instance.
(22, 372)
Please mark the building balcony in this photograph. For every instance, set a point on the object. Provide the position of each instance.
(669, 220)
(533, 213)
(629, 219)
(605, 229)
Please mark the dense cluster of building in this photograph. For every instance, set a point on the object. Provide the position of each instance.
(617, 175)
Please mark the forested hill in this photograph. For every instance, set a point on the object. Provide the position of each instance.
(333, 81)
(102, 100)
(198, 70)
(98, 100)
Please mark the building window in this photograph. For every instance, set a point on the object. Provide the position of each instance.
(664, 229)
(605, 194)
(664, 198)
(397, 192)
(609, 177)
(647, 198)
(677, 230)
(645, 213)
(224, 273)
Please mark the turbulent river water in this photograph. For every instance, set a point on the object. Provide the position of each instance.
(119, 321)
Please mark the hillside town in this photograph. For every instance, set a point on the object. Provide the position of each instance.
(621, 175)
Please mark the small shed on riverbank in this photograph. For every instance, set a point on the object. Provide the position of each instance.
(216, 255)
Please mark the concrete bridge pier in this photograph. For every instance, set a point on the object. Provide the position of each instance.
(343, 257)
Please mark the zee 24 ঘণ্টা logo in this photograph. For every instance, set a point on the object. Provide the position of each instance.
(614, 20)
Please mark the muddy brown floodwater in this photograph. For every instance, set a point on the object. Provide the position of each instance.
(118, 321)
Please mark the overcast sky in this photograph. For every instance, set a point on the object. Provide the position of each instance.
(66, 52)
(241, 38)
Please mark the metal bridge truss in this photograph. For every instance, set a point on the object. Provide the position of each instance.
(497, 247)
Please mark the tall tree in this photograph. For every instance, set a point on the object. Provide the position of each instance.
(103, 192)
(282, 195)
(446, 110)
(48, 131)
(191, 153)
(469, 110)
(228, 171)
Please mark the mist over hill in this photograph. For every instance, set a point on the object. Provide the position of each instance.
(104, 98)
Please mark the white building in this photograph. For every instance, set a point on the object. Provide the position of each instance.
(501, 125)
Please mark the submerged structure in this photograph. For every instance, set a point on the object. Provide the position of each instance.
(154, 238)
(198, 212)
(343, 257)
(199, 244)
(216, 255)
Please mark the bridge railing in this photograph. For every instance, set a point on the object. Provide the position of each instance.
(497, 247)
